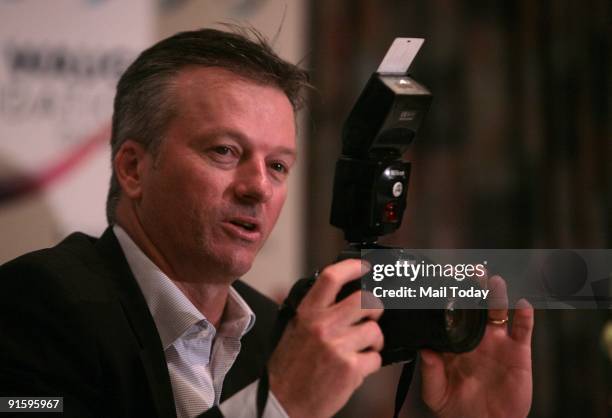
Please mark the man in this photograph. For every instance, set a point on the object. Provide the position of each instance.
(150, 320)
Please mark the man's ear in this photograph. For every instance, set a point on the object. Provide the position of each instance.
(129, 163)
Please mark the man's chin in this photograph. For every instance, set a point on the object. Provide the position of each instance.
(223, 262)
(237, 264)
(241, 270)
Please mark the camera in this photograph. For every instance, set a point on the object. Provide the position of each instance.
(369, 199)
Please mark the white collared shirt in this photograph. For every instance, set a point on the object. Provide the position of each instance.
(198, 355)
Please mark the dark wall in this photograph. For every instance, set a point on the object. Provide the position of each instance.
(516, 151)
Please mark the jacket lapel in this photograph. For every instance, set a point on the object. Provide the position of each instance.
(142, 324)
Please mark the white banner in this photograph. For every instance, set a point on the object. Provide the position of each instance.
(59, 64)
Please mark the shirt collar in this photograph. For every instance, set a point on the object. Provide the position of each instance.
(173, 313)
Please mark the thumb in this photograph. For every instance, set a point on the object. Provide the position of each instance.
(434, 380)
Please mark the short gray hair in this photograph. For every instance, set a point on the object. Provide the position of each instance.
(144, 104)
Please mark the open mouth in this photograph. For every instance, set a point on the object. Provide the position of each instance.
(245, 225)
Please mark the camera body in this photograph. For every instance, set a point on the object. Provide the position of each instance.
(369, 199)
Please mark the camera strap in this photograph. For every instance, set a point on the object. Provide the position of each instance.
(403, 385)
(262, 392)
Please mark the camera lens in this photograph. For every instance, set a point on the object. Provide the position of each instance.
(464, 327)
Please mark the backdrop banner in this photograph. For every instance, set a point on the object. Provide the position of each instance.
(59, 64)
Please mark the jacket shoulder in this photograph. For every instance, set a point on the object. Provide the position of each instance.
(74, 244)
(70, 266)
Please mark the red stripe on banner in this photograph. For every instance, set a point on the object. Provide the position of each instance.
(23, 184)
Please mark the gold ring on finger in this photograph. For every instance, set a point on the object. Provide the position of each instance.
(498, 321)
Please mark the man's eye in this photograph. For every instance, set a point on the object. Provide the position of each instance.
(222, 150)
(279, 167)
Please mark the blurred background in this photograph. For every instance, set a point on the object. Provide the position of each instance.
(516, 151)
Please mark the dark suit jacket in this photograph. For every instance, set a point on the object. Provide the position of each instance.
(74, 323)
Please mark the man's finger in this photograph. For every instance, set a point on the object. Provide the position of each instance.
(434, 379)
(349, 311)
(498, 300)
(522, 324)
(368, 362)
(366, 335)
(326, 287)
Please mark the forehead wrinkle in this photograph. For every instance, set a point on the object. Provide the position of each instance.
(222, 76)
(196, 87)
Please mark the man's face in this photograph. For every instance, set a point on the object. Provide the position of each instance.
(213, 193)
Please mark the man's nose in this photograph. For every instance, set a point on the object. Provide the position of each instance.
(253, 182)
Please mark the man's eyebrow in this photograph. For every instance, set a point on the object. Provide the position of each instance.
(224, 132)
(287, 151)
(244, 139)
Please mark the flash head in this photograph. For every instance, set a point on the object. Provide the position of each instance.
(371, 179)
(385, 118)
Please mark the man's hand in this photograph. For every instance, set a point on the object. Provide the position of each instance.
(327, 349)
(493, 380)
